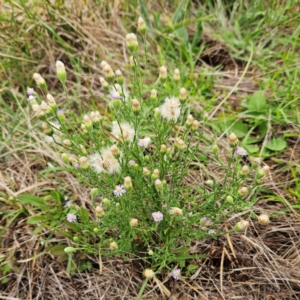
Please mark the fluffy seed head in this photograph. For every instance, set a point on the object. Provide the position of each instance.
(176, 211)
(170, 109)
(124, 132)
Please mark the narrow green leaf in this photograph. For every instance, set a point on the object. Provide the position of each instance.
(32, 200)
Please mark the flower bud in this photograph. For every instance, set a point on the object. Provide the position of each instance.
(229, 200)
(103, 63)
(205, 117)
(195, 125)
(108, 72)
(40, 81)
(47, 129)
(260, 174)
(134, 222)
(127, 183)
(158, 184)
(163, 73)
(87, 122)
(245, 170)
(163, 149)
(69, 250)
(61, 115)
(233, 140)
(119, 77)
(113, 246)
(94, 192)
(209, 182)
(61, 72)
(142, 25)
(179, 143)
(83, 150)
(176, 211)
(153, 95)
(83, 129)
(157, 112)
(136, 106)
(45, 107)
(106, 202)
(146, 172)
(99, 211)
(132, 42)
(96, 230)
(155, 174)
(215, 149)
(51, 102)
(76, 239)
(104, 84)
(150, 252)
(243, 191)
(84, 163)
(132, 61)
(239, 226)
(189, 121)
(148, 273)
(176, 75)
(115, 151)
(266, 168)
(95, 117)
(182, 95)
(203, 221)
(263, 219)
(65, 158)
(67, 143)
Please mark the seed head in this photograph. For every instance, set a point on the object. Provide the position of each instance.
(176, 211)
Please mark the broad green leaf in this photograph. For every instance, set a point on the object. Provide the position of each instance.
(276, 144)
(32, 200)
(257, 102)
(57, 250)
(252, 148)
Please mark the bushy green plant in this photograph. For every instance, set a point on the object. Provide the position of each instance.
(134, 156)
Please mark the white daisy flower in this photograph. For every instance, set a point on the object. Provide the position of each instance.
(170, 109)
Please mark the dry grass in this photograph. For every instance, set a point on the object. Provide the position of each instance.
(262, 263)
